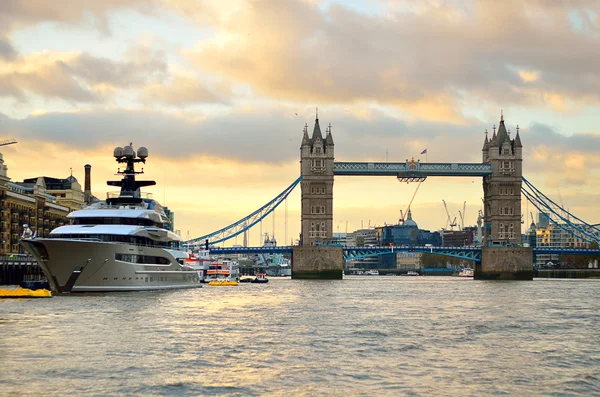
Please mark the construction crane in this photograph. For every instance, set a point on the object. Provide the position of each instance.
(462, 220)
(531, 213)
(8, 142)
(448, 221)
(409, 204)
(463, 216)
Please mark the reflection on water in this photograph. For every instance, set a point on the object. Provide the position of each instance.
(361, 336)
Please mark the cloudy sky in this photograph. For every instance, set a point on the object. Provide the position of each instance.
(219, 92)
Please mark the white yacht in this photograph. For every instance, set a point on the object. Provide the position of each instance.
(119, 244)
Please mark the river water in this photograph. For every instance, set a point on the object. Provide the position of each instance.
(363, 336)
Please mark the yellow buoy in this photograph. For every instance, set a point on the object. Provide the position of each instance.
(25, 293)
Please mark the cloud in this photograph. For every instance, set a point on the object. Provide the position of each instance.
(79, 76)
(181, 90)
(300, 51)
(272, 134)
(16, 14)
(7, 51)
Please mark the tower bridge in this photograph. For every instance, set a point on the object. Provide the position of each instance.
(501, 257)
(501, 170)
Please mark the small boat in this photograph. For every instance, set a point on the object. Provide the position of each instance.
(410, 273)
(246, 279)
(372, 273)
(466, 272)
(261, 278)
(25, 293)
(223, 283)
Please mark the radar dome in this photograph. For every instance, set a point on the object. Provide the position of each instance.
(118, 152)
(129, 152)
(142, 152)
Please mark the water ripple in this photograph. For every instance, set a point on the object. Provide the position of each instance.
(371, 336)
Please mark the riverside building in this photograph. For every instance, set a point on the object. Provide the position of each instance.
(41, 204)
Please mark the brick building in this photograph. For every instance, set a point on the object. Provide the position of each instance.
(33, 203)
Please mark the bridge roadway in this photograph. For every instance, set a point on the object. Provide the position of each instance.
(412, 169)
(353, 253)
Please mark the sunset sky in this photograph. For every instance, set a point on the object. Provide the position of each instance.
(219, 92)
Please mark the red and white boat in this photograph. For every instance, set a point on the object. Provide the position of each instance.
(199, 261)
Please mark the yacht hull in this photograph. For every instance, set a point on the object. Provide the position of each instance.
(95, 266)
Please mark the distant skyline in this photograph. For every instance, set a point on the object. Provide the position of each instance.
(219, 93)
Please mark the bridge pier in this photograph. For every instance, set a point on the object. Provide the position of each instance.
(318, 262)
(505, 264)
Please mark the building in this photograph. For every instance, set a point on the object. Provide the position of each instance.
(555, 236)
(340, 238)
(66, 191)
(408, 260)
(316, 163)
(543, 220)
(458, 238)
(502, 189)
(362, 238)
(30, 205)
(406, 233)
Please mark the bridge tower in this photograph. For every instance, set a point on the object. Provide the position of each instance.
(312, 259)
(502, 189)
(503, 257)
(316, 163)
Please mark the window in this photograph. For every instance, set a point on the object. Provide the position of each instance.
(317, 190)
(507, 167)
(317, 209)
(317, 165)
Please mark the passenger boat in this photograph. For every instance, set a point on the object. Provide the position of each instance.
(410, 273)
(119, 244)
(199, 261)
(223, 273)
(466, 272)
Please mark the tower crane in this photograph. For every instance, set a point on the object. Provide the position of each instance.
(462, 219)
(447, 214)
(409, 204)
(8, 142)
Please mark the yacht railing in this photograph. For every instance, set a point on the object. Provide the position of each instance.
(133, 194)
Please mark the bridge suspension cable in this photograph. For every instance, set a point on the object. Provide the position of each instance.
(559, 216)
(245, 223)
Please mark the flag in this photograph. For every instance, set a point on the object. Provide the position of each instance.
(424, 151)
